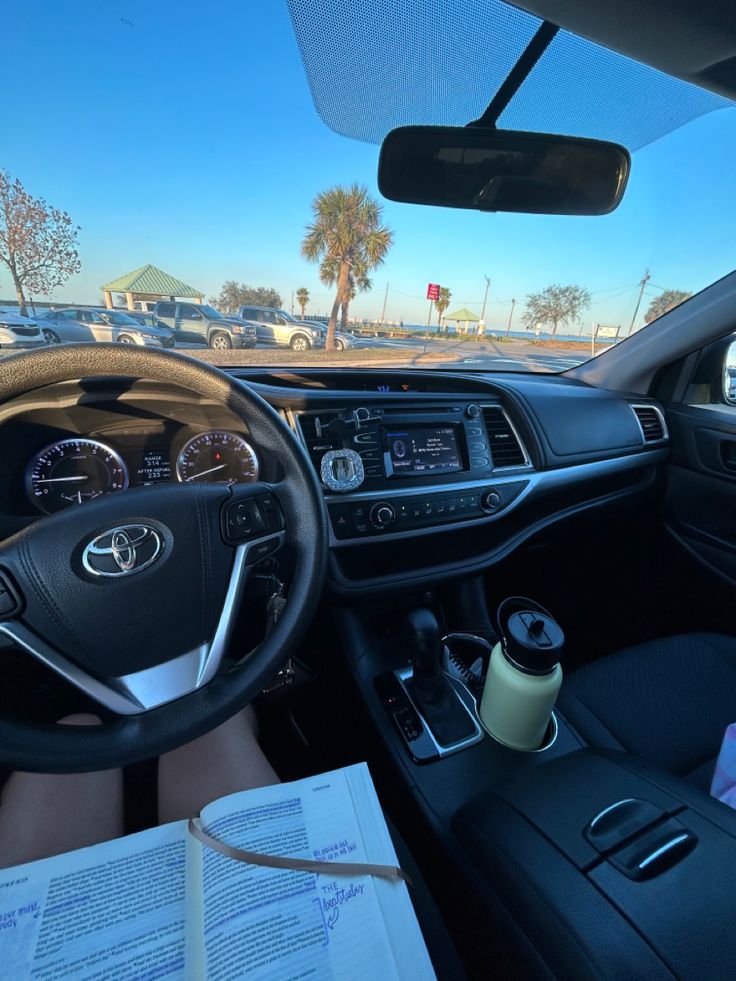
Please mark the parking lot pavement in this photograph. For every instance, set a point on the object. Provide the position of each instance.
(417, 353)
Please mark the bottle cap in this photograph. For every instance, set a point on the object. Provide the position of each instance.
(532, 639)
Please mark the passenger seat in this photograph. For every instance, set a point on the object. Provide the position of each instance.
(667, 701)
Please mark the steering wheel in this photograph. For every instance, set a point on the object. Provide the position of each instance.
(132, 596)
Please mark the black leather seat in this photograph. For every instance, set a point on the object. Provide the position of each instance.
(668, 701)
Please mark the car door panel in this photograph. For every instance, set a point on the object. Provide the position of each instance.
(190, 328)
(700, 498)
(265, 330)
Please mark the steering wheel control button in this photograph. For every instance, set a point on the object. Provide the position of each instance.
(251, 517)
(342, 470)
(261, 550)
(9, 603)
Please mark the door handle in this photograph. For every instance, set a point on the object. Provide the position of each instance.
(728, 454)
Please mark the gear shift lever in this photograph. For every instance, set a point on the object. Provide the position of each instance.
(432, 693)
(427, 646)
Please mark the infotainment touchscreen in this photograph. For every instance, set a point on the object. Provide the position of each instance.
(412, 451)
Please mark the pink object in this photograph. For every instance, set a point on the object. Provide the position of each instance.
(723, 785)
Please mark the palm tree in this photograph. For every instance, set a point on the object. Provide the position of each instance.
(346, 237)
(442, 303)
(302, 298)
(358, 283)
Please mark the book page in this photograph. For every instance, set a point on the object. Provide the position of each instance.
(266, 923)
(112, 911)
(409, 950)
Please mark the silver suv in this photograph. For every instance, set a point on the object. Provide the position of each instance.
(274, 330)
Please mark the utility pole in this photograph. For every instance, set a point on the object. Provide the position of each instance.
(644, 280)
(385, 300)
(511, 317)
(292, 303)
(485, 297)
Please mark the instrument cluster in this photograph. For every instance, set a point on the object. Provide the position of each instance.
(74, 470)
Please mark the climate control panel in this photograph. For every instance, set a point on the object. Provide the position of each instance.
(368, 518)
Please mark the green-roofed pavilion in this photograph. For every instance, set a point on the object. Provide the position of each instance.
(149, 283)
(463, 314)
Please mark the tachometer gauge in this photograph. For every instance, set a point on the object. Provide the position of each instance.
(73, 471)
(217, 456)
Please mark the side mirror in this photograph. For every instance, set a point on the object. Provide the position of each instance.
(502, 170)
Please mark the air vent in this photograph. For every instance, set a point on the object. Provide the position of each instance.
(651, 422)
(506, 448)
(317, 440)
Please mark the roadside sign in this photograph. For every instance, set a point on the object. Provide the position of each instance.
(433, 291)
(607, 332)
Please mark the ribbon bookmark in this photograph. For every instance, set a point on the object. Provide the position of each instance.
(296, 864)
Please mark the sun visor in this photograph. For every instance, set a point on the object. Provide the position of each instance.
(374, 65)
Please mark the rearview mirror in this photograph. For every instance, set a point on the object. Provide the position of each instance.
(502, 170)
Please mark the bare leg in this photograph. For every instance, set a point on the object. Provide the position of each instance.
(44, 814)
(223, 761)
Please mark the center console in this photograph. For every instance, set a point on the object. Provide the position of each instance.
(392, 470)
(578, 863)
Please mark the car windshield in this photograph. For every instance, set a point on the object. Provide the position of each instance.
(424, 287)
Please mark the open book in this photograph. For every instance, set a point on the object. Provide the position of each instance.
(160, 904)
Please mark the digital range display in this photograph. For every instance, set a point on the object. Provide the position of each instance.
(412, 451)
(154, 467)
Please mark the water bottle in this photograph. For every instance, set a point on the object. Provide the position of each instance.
(524, 675)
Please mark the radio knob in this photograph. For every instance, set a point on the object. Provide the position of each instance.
(491, 500)
(382, 514)
(472, 411)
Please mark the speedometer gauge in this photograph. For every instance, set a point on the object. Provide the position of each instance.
(73, 471)
(217, 456)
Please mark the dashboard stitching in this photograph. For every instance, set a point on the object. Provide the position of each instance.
(36, 582)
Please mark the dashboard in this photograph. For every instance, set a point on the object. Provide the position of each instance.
(424, 474)
(77, 442)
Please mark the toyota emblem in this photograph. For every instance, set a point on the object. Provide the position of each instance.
(122, 551)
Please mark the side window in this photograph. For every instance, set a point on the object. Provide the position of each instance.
(167, 310)
(248, 313)
(85, 316)
(189, 313)
(729, 374)
(69, 315)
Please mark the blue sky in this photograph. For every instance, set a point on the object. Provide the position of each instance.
(190, 140)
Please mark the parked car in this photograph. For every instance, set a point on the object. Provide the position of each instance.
(82, 324)
(153, 325)
(197, 323)
(275, 328)
(17, 333)
(343, 341)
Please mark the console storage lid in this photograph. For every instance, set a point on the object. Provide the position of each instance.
(613, 868)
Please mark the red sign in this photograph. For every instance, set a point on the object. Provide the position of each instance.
(433, 291)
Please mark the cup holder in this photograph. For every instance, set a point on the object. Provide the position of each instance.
(550, 736)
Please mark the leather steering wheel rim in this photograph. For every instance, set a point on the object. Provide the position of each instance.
(41, 747)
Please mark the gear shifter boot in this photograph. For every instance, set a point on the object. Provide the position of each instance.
(442, 709)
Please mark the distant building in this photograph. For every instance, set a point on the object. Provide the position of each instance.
(146, 286)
